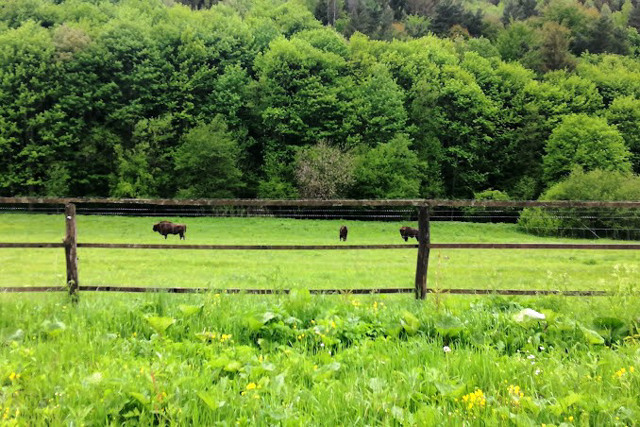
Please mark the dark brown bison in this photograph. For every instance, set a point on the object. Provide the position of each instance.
(343, 233)
(167, 227)
(408, 232)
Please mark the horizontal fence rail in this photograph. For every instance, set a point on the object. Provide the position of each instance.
(423, 208)
(606, 246)
(321, 203)
(249, 291)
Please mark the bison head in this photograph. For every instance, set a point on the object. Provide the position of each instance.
(155, 227)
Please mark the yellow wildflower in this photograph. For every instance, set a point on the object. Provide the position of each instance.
(515, 392)
(475, 399)
(251, 386)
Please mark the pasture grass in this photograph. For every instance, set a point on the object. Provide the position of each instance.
(453, 268)
(220, 359)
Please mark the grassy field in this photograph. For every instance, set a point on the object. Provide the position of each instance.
(218, 359)
(495, 269)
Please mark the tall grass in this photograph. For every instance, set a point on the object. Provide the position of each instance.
(204, 359)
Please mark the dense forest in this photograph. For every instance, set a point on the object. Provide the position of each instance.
(315, 98)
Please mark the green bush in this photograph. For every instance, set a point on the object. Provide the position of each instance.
(587, 142)
(598, 185)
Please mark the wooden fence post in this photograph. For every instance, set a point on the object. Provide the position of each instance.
(424, 238)
(71, 250)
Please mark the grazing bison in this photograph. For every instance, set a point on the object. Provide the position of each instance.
(407, 232)
(343, 233)
(167, 227)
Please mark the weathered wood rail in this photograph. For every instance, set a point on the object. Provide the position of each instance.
(71, 245)
(596, 246)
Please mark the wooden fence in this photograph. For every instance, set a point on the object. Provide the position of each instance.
(420, 290)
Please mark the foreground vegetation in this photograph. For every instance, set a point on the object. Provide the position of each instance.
(217, 358)
(229, 359)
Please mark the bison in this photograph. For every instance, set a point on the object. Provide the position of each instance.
(167, 227)
(343, 233)
(407, 232)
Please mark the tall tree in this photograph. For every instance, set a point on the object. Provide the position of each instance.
(207, 162)
(453, 113)
(554, 49)
(624, 113)
(301, 93)
(388, 171)
(518, 10)
(32, 124)
(585, 142)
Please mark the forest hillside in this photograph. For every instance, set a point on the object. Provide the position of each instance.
(315, 98)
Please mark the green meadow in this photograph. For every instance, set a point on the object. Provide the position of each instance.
(222, 359)
(453, 268)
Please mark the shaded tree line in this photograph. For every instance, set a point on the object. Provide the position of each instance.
(150, 98)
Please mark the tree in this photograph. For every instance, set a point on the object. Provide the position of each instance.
(370, 17)
(624, 113)
(278, 168)
(133, 178)
(424, 8)
(417, 26)
(450, 13)
(634, 17)
(455, 121)
(300, 93)
(518, 10)
(554, 50)
(144, 168)
(329, 11)
(586, 142)
(520, 42)
(391, 170)
(322, 171)
(33, 135)
(377, 106)
(206, 162)
(289, 17)
(603, 35)
(614, 75)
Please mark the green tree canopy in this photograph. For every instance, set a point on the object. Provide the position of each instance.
(624, 113)
(206, 162)
(389, 171)
(586, 142)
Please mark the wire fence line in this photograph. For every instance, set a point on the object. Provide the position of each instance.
(588, 218)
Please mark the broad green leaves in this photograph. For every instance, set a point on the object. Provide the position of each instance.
(160, 324)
